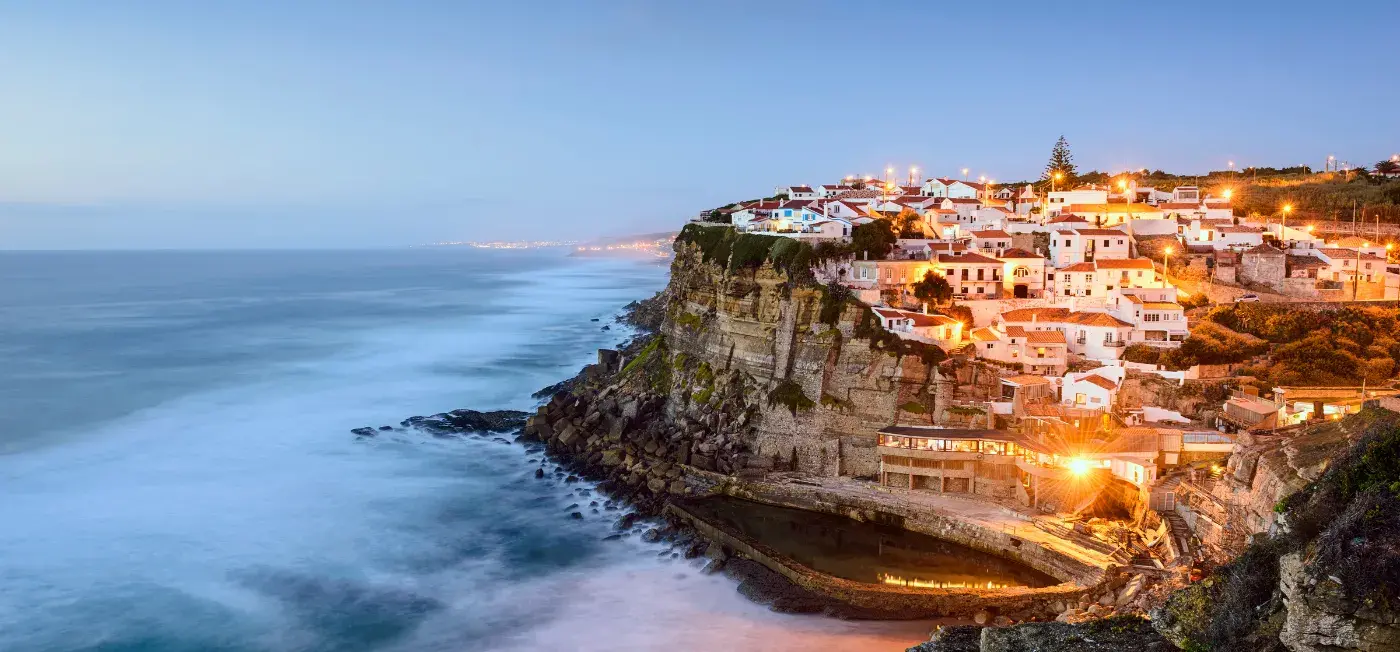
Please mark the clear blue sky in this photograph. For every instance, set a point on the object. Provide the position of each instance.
(339, 123)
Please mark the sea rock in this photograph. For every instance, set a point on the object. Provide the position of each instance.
(364, 432)
(1106, 635)
(952, 638)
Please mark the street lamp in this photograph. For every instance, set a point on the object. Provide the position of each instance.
(913, 175)
(1166, 257)
(1055, 181)
(1227, 193)
(964, 174)
(1283, 227)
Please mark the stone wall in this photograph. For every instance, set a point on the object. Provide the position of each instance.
(1268, 270)
(1022, 603)
(948, 528)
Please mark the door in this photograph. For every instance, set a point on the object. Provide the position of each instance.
(1020, 291)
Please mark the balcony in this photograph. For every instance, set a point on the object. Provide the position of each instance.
(1116, 344)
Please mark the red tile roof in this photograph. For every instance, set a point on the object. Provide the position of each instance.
(1019, 253)
(1044, 337)
(1040, 314)
(968, 258)
(1123, 263)
(993, 233)
(1100, 381)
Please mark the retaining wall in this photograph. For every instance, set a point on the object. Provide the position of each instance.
(898, 601)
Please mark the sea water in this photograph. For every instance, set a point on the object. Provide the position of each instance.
(177, 471)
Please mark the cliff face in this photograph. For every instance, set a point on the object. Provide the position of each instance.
(1326, 577)
(817, 391)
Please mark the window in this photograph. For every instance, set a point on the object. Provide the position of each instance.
(979, 273)
(787, 213)
(1120, 242)
(979, 289)
(1020, 272)
(964, 274)
(1105, 243)
(989, 346)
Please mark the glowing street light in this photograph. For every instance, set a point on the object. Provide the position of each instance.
(964, 174)
(1227, 193)
(1078, 466)
(1286, 209)
(1055, 180)
(1166, 258)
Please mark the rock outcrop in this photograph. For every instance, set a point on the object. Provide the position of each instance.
(1327, 577)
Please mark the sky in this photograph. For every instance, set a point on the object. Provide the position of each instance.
(358, 124)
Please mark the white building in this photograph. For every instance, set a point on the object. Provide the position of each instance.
(1083, 244)
(1039, 352)
(1089, 390)
(1023, 274)
(797, 192)
(1096, 335)
(1059, 200)
(941, 330)
(991, 243)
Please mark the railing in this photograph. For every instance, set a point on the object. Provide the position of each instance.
(1116, 344)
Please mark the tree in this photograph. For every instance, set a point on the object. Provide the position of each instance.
(1387, 167)
(933, 288)
(909, 224)
(1060, 160)
(873, 240)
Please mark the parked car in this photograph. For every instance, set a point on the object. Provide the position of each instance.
(1247, 298)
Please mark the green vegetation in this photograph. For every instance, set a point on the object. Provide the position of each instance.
(736, 251)
(834, 301)
(1209, 343)
(933, 288)
(1345, 524)
(913, 407)
(835, 403)
(789, 393)
(873, 241)
(1061, 162)
(1342, 346)
(1142, 353)
(689, 320)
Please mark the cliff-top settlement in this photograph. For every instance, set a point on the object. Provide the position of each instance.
(958, 359)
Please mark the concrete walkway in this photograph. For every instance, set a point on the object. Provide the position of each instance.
(984, 513)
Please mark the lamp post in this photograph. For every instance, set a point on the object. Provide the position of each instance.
(1055, 180)
(1283, 227)
(1166, 258)
(964, 174)
(913, 175)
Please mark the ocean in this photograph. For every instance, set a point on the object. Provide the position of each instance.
(177, 471)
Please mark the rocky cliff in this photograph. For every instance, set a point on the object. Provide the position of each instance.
(751, 371)
(1327, 576)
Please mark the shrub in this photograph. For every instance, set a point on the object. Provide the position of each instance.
(873, 240)
(789, 393)
(1142, 353)
(834, 299)
(913, 407)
